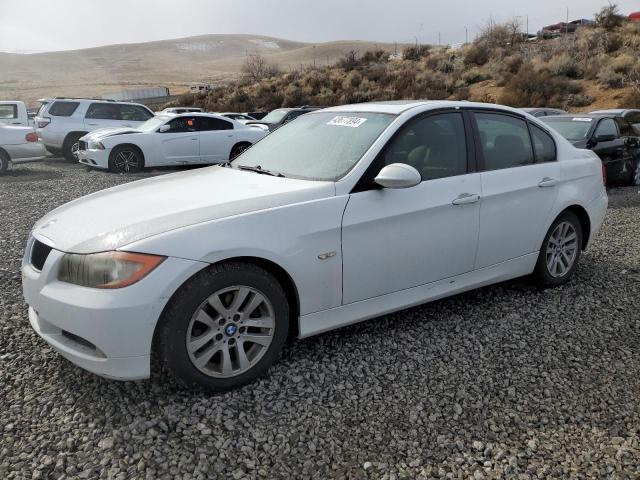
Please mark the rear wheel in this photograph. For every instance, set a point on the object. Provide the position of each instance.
(238, 149)
(224, 327)
(4, 162)
(71, 146)
(560, 252)
(125, 159)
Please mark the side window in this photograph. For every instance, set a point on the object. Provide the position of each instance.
(504, 140)
(134, 113)
(543, 145)
(208, 124)
(634, 118)
(182, 124)
(606, 127)
(293, 116)
(8, 111)
(434, 145)
(63, 109)
(103, 111)
(626, 130)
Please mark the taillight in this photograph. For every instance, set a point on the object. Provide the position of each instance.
(604, 175)
(31, 137)
(43, 122)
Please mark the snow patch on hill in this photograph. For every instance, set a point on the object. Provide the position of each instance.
(199, 47)
(265, 43)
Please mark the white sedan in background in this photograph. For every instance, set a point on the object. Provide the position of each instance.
(19, 144)
(185, 139)
(343, 215)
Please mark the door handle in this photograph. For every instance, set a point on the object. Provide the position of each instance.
(466, 199)
(92, 124)
(547, 182)
(194, 139)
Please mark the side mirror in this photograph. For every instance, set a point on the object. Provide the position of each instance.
(398, 175)
(164, 128)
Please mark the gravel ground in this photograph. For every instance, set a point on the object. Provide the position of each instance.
(505, 381)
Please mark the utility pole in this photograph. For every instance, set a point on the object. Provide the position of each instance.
(439, 39)
(566, 27)
(466, 34)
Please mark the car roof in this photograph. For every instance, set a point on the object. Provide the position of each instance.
(593, 116)
(613, 111)
(398, 107)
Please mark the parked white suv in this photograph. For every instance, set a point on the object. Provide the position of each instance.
(62, 121)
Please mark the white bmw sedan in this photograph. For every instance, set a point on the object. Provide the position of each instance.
(344, 215)
(184, 139)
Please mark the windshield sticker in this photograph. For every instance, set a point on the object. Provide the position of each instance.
(353, 122)
(582, 119)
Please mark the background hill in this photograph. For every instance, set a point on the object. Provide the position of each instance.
(173, 63)
(597, 67)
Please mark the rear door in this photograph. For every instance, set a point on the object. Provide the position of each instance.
(10, 115)
(519, 186)
(133, 115)
(181, 143)
(102, 115)
(217, 138)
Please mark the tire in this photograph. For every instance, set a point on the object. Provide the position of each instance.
(238, 149)
(192, 329)
(635, 174)
(126, 159)
(4, 162)
(560, 251)
(70, 146)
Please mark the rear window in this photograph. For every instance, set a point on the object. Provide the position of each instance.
(208, 124)
(63, 109)
(8, 111)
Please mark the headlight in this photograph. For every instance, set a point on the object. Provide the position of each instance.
(107, 269)
(96, 146)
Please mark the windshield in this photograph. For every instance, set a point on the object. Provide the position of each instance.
(572, 129)
(317, 146)
(275, 116)
(154, 123)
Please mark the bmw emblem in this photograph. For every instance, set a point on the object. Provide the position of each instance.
(231, 330)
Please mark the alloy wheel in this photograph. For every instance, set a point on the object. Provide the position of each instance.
(75, 148)
(562, 249)
(230, 332)
(126, 161)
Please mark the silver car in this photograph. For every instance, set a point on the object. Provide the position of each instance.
(19, 144)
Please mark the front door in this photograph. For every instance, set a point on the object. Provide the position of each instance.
(181, 143)
(395, 239)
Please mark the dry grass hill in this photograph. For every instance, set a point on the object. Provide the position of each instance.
(597, 67)
(173, 63)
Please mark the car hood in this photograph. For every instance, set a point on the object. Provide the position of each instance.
(113, 218)
(103, 133)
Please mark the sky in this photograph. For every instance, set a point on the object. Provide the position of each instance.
(47, 25)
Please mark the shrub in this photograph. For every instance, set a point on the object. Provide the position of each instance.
(609, 78)
(609, 17)
(349, 60)
(476, 54)
(415, 53)
(474, 75)
(563, 65)
(529, 88)
(623, 64)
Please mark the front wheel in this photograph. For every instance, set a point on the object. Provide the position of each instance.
(71, 146)
(125, 159)
(560, 252)
(224, 327)
(635, 175)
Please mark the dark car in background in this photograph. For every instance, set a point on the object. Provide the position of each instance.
(544, 112)
(611, 137)
(632, 115)
(282, 116)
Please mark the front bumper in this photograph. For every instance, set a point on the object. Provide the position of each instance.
(107, 332)
(94, 158)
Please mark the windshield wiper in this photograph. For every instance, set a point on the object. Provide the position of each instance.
(259, 169)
